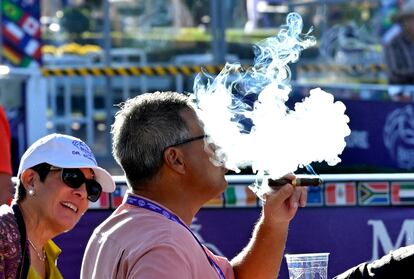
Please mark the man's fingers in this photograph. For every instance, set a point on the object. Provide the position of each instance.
(295, 198)
(282, 194)
(303, 197)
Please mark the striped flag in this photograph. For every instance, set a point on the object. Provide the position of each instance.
(239, 195)
(118, 195)
(340, 194)
(13, 32)
(12, 56)
(101, 203)
(16, 58)
(373, 193)
(216, 202)
(402, 193)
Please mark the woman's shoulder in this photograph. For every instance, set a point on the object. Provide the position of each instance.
(9, 229)
(10, 250)
(4, 209)
(6, 215)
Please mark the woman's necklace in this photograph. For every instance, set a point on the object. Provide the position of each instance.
(41, 256)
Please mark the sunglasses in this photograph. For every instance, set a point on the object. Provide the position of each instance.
(74, 178)
(185, 141)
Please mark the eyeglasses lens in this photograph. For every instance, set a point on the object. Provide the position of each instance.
(94, 190)
(74, 178)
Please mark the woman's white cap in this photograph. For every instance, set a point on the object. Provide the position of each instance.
(65, 151)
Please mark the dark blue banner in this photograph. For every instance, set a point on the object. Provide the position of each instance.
(350, 234)
(382, 134)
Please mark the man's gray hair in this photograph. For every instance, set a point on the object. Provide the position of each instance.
(143, 128)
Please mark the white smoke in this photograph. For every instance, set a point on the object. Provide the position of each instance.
(280, 140)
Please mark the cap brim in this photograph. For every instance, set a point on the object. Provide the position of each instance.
(104, 178)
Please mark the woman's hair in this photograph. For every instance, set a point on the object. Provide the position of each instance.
(144, 127)
(42, 169)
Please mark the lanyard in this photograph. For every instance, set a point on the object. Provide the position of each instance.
(146, 204)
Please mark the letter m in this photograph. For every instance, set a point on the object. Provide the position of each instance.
(380, 237)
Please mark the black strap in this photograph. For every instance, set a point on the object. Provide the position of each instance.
(23, 269)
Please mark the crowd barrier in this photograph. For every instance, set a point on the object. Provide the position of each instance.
(174, 69)
(395, 189)
(148, 70)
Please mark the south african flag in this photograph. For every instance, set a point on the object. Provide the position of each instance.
(373, 193)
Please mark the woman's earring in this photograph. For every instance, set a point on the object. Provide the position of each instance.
(31, 192)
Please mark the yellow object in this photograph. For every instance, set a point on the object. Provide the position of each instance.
(52, 272)
(72, 48)
(155, 70)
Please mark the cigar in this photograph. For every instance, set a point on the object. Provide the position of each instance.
(300, 180)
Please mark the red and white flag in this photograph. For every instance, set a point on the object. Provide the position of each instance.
(13, 32)
(340, 194)
(30, 25)
(101, 203)
(118, 195)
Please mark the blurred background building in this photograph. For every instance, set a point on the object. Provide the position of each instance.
(66, 64)
(73, 60)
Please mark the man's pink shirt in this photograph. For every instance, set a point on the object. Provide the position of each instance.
(138, 243)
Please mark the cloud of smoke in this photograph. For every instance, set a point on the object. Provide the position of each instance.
(245, 115)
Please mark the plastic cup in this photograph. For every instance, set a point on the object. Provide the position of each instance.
(307, 266)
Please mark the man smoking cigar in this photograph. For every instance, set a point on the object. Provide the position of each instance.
(158, 140)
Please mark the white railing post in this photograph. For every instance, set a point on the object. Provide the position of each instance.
(36, 106)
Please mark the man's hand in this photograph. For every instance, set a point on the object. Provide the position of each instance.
(262, 256)
(280, 205)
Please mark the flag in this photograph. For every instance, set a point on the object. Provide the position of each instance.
(30, 25)
(340, 194)
(239, 195)
(32, 48)
(13, 32)
(215, 202)
(101, 203)
(21, 41)
(14, 57)
(118, 195)
(21, 32)
(402, 193)
(315, 196)
(373, 193)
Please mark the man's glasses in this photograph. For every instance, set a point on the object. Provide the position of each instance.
(74, 178)
(187, 141)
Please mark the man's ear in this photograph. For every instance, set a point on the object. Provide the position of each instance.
(174, 159)
(28, 178)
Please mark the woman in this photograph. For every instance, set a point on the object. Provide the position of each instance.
(58, 176)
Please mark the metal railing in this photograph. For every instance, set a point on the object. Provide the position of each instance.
(360, 188)
(327, 178)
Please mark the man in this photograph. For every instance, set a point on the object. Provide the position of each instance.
(399, 52)
(6, 186)
(158, 141)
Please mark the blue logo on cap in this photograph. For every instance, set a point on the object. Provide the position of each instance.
(84, 150)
